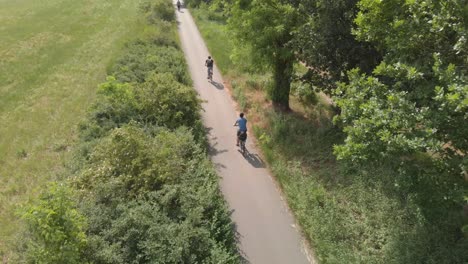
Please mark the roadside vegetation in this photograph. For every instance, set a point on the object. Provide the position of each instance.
(140, 187)
(375, 171)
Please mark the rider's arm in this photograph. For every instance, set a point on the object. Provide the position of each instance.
(236, 123)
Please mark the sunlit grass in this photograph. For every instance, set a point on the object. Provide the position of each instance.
(53, 54)
(217, 40)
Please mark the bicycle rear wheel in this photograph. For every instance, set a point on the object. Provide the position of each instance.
(242, 145)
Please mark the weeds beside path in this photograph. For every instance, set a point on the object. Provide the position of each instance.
(349, 214)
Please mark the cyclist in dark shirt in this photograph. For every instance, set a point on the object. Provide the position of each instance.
(242, 123)
(209, 64)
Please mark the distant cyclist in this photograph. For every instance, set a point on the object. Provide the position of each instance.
(242, 123)
(178, 5)
(209, 64)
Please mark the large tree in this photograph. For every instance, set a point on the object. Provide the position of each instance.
(325, 42)
(416, 100)
(268, 26)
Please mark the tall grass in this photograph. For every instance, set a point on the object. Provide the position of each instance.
(218, 41)
(52, 56)
(349, 214)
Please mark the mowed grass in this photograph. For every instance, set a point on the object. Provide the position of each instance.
(53, 54)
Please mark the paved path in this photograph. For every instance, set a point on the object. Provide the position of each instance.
(265, 226)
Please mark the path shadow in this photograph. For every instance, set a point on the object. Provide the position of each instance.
(253, 159)
(212, 147)
(238, 237)
(218, 85)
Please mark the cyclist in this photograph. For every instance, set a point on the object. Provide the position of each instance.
(178, 5)
(209, 64)
(242, 123)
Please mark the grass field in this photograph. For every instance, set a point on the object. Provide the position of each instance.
(53, 54)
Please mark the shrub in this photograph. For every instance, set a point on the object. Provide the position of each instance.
(160, 101)
(144, 57)
(55, 228)
(154, 197)
(161, 10)
(138, 162)
(164, 101)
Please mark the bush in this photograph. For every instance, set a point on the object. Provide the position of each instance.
(160, 101)
(55, 228)
(137, 161)
(145, 57)
(153, 198)
(161, 10)
(165, 102)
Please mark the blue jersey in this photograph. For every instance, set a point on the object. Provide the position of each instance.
(242, 122)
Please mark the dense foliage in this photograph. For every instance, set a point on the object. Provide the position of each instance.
(146, 191)
(398, 70)
(152, 103)
(325, 43)
(153, 195)
(416, 100)
(417, 97)
(147, 57)
(412, 110)
(276, 20)
(55, 227)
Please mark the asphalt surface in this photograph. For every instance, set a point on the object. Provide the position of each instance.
(266, 228)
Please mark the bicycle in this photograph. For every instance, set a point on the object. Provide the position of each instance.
(242, 138)
(210, 74)
(241, 132)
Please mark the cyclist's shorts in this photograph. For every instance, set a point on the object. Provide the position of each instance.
(242, 135)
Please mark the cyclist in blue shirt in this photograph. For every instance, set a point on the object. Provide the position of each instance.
(242, 123)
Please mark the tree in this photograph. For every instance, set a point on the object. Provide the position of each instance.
(416, 100)
(325, 42)
(267, 26)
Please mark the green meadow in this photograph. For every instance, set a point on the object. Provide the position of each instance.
(53, 54)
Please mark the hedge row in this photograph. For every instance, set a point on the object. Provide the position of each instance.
(142, 188)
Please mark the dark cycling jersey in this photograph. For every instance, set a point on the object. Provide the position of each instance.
(209, 63)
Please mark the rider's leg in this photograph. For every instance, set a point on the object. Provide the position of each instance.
(238, 133)
(210, 72)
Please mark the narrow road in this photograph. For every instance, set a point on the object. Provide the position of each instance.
(266, 228)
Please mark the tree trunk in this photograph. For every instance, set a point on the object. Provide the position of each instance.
(282, 73)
